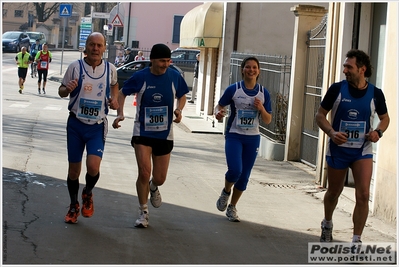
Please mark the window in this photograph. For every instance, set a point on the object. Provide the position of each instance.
(192, 55)
(18, 13)
(176, 28)
(4, 13)
(178, 55)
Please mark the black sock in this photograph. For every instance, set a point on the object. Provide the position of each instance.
(73, 189)
(91, 182)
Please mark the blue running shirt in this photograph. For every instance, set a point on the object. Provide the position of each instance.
(155, 101)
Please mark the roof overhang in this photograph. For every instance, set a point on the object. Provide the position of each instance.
(202, 26)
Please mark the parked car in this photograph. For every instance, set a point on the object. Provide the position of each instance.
(36, 35)
(126, 71)
(185, 59)
(13, 41)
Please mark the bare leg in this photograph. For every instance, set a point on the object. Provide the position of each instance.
(362, 171)
(336, 181)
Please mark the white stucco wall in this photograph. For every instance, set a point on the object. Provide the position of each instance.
(385, 199)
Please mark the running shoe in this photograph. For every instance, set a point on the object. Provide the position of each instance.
(38, 91)
(73, 213)
(326, 234)
(231, 213)
(156, 199)
(221, 204)
(44, 91)
(87, 204)
(142, 221)
(20, 91)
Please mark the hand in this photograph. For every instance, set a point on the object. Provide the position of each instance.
(220, 114)
(258, 104)
(113, 104)
(115, 124)
(338, 137)
(71, 85)
(178, 115)
(372, 136)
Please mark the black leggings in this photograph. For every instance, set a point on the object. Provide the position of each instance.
(44, 73)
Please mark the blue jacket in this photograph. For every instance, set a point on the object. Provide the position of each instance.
(34, 49)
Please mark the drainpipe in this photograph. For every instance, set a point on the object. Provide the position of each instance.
(356, 26)
(236, 26)
(128, 25)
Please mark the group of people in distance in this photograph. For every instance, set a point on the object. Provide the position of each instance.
(250, 103)
(121, 59)
(39, 60)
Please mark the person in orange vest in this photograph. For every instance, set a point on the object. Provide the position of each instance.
(43, 59)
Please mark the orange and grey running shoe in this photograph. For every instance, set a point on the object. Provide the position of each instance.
(87, 206)
(73, 213)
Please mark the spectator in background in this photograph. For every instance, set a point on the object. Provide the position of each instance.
(119, 59)
(128, 56)
(139, 56)
(36, 47)
(195, 81)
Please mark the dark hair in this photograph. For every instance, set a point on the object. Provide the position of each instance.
(362, 59)
(245, 62)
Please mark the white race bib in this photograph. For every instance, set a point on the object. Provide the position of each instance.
(156, 118)
(356, 131)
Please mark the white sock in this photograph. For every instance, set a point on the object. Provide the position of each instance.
(356, 238)
(144, 207)
(327, 224)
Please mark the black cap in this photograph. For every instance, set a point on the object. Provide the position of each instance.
(160, 51)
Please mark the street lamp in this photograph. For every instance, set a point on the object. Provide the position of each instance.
(105, 28)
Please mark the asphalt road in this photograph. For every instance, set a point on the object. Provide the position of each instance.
(279, 216)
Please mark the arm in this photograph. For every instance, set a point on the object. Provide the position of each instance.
(65, 90)
(382, 125)
(266, 116)
(321, 120)
(113, 101)
(120, 116)
(219, 112)
(181, 102)
(37, 57)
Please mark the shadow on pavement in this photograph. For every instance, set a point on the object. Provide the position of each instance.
(34, 231)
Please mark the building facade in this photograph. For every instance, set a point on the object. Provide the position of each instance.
(243, 28)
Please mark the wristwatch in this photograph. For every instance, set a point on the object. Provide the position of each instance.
(379, 132)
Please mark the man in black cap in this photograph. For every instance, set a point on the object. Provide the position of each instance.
(156, 87)
(129, 57)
